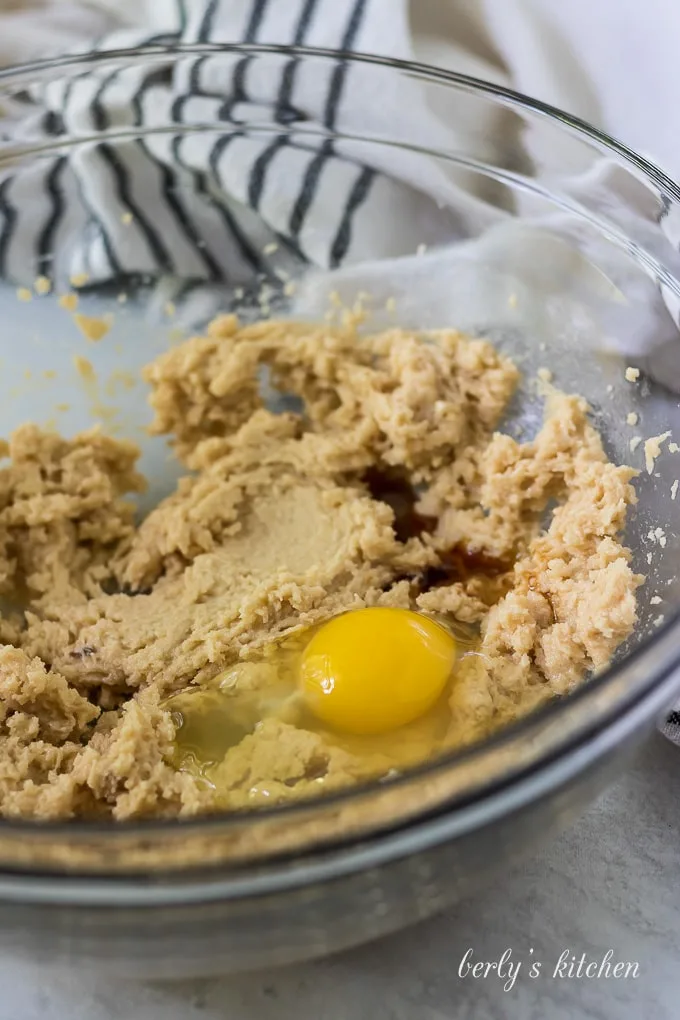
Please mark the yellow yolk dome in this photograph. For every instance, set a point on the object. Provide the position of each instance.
(373, 670)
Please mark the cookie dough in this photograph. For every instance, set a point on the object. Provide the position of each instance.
(385, 484)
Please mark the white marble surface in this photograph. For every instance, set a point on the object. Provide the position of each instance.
(610, 883)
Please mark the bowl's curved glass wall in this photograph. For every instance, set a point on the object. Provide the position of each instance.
(165, 186)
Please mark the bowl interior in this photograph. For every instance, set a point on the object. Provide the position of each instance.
(565, 262)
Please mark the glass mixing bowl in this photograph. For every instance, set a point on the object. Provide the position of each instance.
(564, 257)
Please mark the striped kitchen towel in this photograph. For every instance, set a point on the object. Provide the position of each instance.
(215, 206)
(285, 177)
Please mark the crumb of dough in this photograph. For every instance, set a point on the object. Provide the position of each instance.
(42, 285)
(655, 600)
(84, 368)
(270, 249)
(79, 279)
(92, 328)
(24, 294)
(632, 374)
(127, 218)
(69, 302)
(653, 450)
(391, 304)
(279, 524)
(657, 535)
(544, 375)
(632, 418)
(673, 448)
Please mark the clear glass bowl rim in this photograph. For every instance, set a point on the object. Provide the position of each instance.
(646, 670)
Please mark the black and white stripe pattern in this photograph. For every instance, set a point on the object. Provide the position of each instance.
(236, 170)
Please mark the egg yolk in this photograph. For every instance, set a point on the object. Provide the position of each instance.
(373, 670)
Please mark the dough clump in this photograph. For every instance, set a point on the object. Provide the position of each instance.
(385, 483)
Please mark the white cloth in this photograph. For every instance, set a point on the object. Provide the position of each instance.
(612, 62)
(183, 206)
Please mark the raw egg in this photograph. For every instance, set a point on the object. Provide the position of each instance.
(373, 670)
